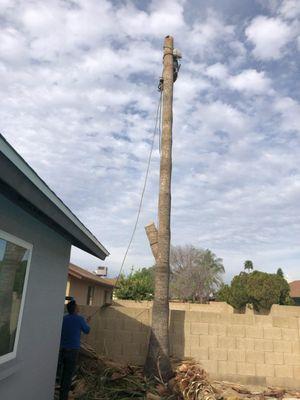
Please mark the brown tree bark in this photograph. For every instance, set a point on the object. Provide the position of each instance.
(158, 361)
(152, 235)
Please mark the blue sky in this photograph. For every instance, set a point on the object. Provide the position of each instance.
(79, 91)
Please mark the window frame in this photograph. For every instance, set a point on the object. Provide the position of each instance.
(28, 246)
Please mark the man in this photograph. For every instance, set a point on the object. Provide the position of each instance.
(73, 325)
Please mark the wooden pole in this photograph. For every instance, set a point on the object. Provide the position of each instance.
(158, 362)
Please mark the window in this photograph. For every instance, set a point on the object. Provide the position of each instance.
(90, 295)
(14, 267)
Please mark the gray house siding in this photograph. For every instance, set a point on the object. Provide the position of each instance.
(31, 375)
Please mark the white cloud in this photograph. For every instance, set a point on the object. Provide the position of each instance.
(289, 110)
(164, 18)
(218, 71)
(250, 81)
(209, 34)
(269, 37)
(80, 84)
(40, 19)
(219, 116)
(12, 46)
(289, 9)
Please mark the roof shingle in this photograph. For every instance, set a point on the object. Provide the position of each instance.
(295, 289)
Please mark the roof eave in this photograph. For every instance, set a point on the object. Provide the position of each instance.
(87, 279)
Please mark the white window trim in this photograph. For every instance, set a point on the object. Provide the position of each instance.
(28, 246)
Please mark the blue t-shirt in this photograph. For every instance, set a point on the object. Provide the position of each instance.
(72, 327)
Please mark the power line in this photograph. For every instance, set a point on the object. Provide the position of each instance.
(157, 123)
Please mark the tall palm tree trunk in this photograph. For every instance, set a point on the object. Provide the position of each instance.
(158, 362)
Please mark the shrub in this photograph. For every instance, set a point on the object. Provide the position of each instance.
(139, 285)
(257, 288)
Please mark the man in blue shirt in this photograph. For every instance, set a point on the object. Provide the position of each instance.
(73, 325)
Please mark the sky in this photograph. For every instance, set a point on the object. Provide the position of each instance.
(78, 81)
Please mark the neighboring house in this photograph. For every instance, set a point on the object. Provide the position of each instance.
(36, 234)
(88, 288)
(295, 292)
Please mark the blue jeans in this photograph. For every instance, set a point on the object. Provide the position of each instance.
(66, 367)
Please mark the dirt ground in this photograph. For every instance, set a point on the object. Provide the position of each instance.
(102, 379)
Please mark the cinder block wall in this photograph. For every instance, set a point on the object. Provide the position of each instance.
(119, 333)
(246, 348)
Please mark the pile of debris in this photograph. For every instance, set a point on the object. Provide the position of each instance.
(191, 383)
(102, 379)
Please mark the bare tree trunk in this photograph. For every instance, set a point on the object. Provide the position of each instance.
(152, 235)
(12, 258)
(158, 361)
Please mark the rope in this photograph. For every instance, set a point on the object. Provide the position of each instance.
(157, 122)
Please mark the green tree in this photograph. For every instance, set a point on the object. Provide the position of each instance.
(257, 288)
(138, 285)
(266, 289)
(248, 265)
(279, 272)
(236, 293)
(196, 274)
